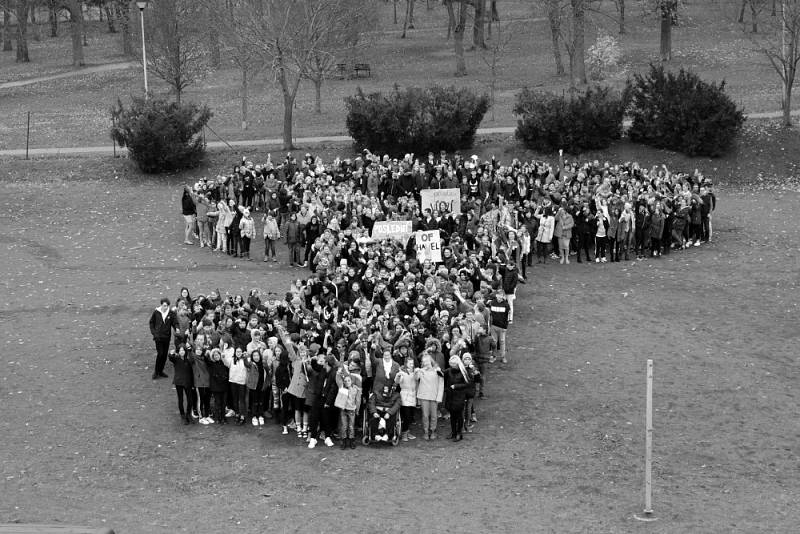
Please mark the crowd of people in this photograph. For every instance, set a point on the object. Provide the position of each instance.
(372, 330)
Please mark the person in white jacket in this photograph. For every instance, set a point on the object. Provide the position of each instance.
(406, 379)
(237, 377)
(430, 391)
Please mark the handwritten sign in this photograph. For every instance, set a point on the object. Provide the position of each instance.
(441, 200)
(429, 246)
(397, 230)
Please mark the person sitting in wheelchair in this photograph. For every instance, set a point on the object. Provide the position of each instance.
(383, 407)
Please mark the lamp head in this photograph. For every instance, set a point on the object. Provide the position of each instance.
(141, 4)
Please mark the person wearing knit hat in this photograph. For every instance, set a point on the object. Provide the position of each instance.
(455, 388)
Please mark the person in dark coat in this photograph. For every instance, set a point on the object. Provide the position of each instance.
(455, 390)
(162, 322)
(184, 382)
(218, 382)
(314, 398)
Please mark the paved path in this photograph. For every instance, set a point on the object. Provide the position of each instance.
(105, 67)
(277, 142)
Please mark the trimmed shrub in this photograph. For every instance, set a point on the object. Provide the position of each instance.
(591, 120)
(415, 119)
(681, 112)
(161, 135)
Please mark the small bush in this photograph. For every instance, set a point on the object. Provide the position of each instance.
(603, 56)
(415, 119)
(591, 120)
(681, 112)
(161, 135)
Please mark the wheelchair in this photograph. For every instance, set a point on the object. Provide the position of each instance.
(381, 430)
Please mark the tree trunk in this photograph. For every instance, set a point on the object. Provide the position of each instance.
(578, 71)
(395, 10)
(787, 103)
(740, 20)
(754, 15)
(621, 4)
(112, 28)
(124, 14)
(666, 34)
(318, 94)
(244, 97)
(478, 39)
(37, 35)
(554, 16)
(495, 14)
(406, 20)
(76, 30)
(451, 18)
(7, 47)
(52, 15)
(458, 34)
(22, 32)
(288, 109)
(410, 14)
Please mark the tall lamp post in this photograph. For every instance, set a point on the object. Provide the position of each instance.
(141, 4)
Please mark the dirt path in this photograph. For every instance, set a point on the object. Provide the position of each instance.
(106, 67)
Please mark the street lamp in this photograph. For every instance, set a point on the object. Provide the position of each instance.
(141, 5)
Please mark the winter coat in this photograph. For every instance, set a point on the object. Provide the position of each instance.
(183, 370)
(247, 227)
(408, 387)
(656, 226)
(455, 389)
(546, 227)
(218, 375)
(202, 378)
(294, 233)
(257, 373)
(271, 230)
(161, 327)
(237, 373)
(430, 384)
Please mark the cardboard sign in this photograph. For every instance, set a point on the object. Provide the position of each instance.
(429, 246)
(397, 230)
(441, 200)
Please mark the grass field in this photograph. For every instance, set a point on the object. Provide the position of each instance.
(74, 112)
(89, 438)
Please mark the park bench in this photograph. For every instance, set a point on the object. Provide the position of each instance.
(341, 71)
(30, 528)
(362, 67)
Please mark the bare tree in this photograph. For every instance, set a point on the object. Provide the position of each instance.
(620, 5)
(75, 8)
(457, 20)
(493, 56)
(668, 13)
(554, 16)
(780, 43)
(52, 17)
(22, 31)
(122, 9)
(287, 34)
(408, 22)
(578, 59)
(478, 38)
(176, 50)
(7, 46)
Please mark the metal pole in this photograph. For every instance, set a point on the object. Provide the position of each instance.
(28, 135)
(144, 54)
(647, 513)
(648, 453)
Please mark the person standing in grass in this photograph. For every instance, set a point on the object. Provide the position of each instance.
(271, 234)
(294, 240)
(247, 229)
(189, 212)
(183, 382)
(162, 322)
